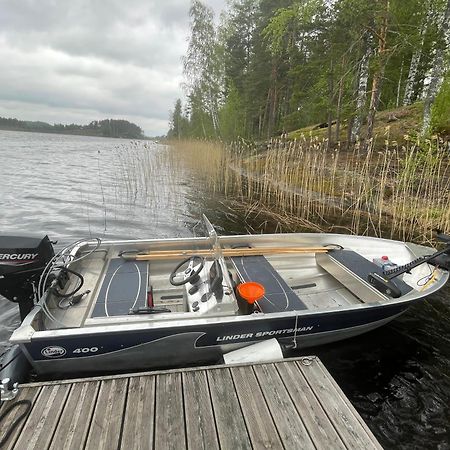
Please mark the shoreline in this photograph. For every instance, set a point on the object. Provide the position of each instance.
(145, 138)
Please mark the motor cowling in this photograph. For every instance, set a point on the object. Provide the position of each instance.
(22, 261)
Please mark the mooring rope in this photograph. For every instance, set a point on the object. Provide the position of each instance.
(295, 332)
(16, 421)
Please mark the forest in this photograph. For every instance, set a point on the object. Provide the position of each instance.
(268, 67)
(102, 128)
(325, 115)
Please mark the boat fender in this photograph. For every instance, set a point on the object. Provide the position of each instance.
(14, 370)
(268, 350)
(15, 366)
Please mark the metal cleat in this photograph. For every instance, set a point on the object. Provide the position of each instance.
(8, 389)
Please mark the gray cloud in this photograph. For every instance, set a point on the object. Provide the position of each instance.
(90, 59)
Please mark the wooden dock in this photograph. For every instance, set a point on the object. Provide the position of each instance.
(291, 404)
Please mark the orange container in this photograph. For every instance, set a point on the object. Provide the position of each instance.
(251, 291)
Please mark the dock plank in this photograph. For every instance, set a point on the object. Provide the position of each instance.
(294, 403)
(26, 393)
(106, 424)
(260, 426)
(169, 414)
(44, 418)
(200, 425)
(76, 418)
(346, 401)
(231, 427)
(138, 425)
(290, 427)
(321, 430)
(343, 418)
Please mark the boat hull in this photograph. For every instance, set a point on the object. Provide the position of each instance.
(106, 349)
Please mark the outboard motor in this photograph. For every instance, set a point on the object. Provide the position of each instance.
(22, 261)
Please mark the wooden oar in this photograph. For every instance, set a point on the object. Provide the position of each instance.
(176, 254)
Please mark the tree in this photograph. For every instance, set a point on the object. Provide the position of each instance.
(276, 65)
(418, 42)
(440, 112)
(178, 123)
(232, 115)
(202, 65)
(380, 65)
(296, 38)
(361, 89)
(438, 68)
(238, 36)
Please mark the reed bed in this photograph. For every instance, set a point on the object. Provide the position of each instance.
(146, 175)
(396, 192)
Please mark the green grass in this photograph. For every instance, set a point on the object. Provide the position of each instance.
(392, 125)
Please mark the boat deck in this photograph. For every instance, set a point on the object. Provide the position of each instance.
(292, 404)
(116, 286)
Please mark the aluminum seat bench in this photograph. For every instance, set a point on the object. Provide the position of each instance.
(352, 270)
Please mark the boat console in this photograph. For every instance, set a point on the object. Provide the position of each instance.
(211, 293)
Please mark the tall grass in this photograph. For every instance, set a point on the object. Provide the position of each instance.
(396, 192)
(148, 175)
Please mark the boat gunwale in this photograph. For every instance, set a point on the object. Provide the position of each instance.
(258, 237)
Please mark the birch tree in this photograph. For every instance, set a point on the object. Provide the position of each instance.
(438, 69)
(361, 89)
(408, 97)
(202, 65)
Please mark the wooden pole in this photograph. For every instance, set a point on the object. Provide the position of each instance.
(227, 252)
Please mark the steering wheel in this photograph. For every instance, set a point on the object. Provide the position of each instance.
(187, 266)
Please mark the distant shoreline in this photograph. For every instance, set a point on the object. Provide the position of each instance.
(114, 128)
(74, 133)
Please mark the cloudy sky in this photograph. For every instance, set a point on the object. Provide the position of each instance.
(80, 60)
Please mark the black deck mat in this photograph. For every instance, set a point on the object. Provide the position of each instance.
(279, 296)
(124, 286)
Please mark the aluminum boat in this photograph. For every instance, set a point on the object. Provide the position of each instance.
(98, 306)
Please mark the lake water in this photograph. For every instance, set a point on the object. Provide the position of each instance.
(69, 187)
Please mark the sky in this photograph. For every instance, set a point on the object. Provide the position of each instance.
(81, 60)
